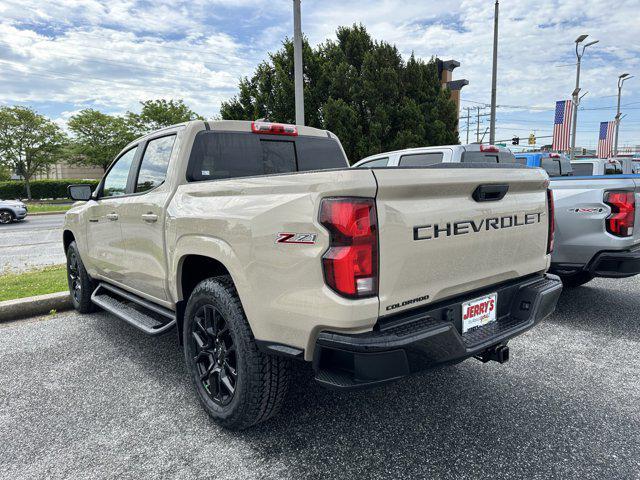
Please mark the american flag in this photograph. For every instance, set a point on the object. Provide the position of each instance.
(562, 125)
(605, 139)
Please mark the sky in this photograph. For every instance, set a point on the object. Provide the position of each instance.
(62, 56)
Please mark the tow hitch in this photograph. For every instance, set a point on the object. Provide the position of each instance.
(499, 353)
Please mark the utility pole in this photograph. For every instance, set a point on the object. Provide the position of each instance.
(468, 109)
(478, 127)
(621, 79)
(576, 93)
(494, 77)
(297, 62)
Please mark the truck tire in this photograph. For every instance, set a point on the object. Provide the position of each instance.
(238, 385)
(81, 285)
(577, 279)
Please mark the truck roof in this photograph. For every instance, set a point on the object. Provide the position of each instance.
(232, 126)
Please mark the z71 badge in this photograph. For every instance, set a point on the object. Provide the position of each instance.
(297, 238)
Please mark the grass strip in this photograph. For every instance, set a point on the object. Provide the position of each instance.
(37, 282)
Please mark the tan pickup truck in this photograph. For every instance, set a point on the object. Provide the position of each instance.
(261, 246)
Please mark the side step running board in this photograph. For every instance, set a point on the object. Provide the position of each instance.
(152, 319)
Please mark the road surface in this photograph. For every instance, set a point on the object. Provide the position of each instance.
(91, 397)
(33, 243)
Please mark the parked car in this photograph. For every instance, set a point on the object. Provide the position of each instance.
(259, 243)
(426, 156)
(599, 166)
(555, 164)
(12, 210)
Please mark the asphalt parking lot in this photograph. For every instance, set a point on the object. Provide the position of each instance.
(35, 242)
(89, 396)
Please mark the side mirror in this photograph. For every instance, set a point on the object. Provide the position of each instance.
(80, 192)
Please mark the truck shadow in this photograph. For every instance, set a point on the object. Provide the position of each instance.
(607, 306)
(519, 419)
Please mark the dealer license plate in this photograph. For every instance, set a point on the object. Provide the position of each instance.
(478, 312)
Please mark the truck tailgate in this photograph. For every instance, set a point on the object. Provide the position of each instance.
(437, 241)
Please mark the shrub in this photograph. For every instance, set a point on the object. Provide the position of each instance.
(40, 189)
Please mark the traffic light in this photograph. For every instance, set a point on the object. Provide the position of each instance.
(532, 139)
(515, 141)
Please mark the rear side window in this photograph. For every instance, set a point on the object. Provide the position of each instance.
(219, 155)
(551, 165)
(582, 169)
(491, 157)
(421, 159)
(378, 162)
(155, 161)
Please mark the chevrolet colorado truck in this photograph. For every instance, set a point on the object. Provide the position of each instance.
(260, 246)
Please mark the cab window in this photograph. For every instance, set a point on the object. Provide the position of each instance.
(613, 168)
(153, 168)
(551, 165)
(115, 183)
(378, 162)
(582, 169)
(421, 159)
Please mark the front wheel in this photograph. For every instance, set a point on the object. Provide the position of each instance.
(81, 285)
(6, 217)
(237, 384)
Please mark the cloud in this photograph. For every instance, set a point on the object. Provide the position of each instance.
(68, 54)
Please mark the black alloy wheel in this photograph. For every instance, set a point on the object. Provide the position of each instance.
(73, 270)
(216, 356)
(6, 217)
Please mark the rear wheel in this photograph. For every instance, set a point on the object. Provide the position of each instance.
(577, 279)
(81, 286)
(6, 216)
(237, 384)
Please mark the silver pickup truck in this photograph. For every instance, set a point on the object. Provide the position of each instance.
(595, 235)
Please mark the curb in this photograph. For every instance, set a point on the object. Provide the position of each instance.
(37, 214)
(34, 306)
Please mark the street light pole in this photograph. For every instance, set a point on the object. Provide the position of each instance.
(297, 62)
(494, 77)
(621, 79)
(576, 92)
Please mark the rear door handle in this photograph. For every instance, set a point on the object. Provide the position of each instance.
(112, 216)
(150, 217)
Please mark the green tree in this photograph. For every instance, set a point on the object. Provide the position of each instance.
(157, 114)
(29, 142)
(98, 137)
(360, 89)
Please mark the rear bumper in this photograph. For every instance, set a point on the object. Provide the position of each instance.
(609, 264)
(421, 339)
(616, 264)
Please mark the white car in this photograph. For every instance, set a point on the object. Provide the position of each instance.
(11, 210)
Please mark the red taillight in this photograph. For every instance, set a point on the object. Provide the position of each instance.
(269, 128)
(552, 221)
(489, 148)
(351, 262)
(623, 211)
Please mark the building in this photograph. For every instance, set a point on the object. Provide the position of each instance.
(62, 170)
(445, 73)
